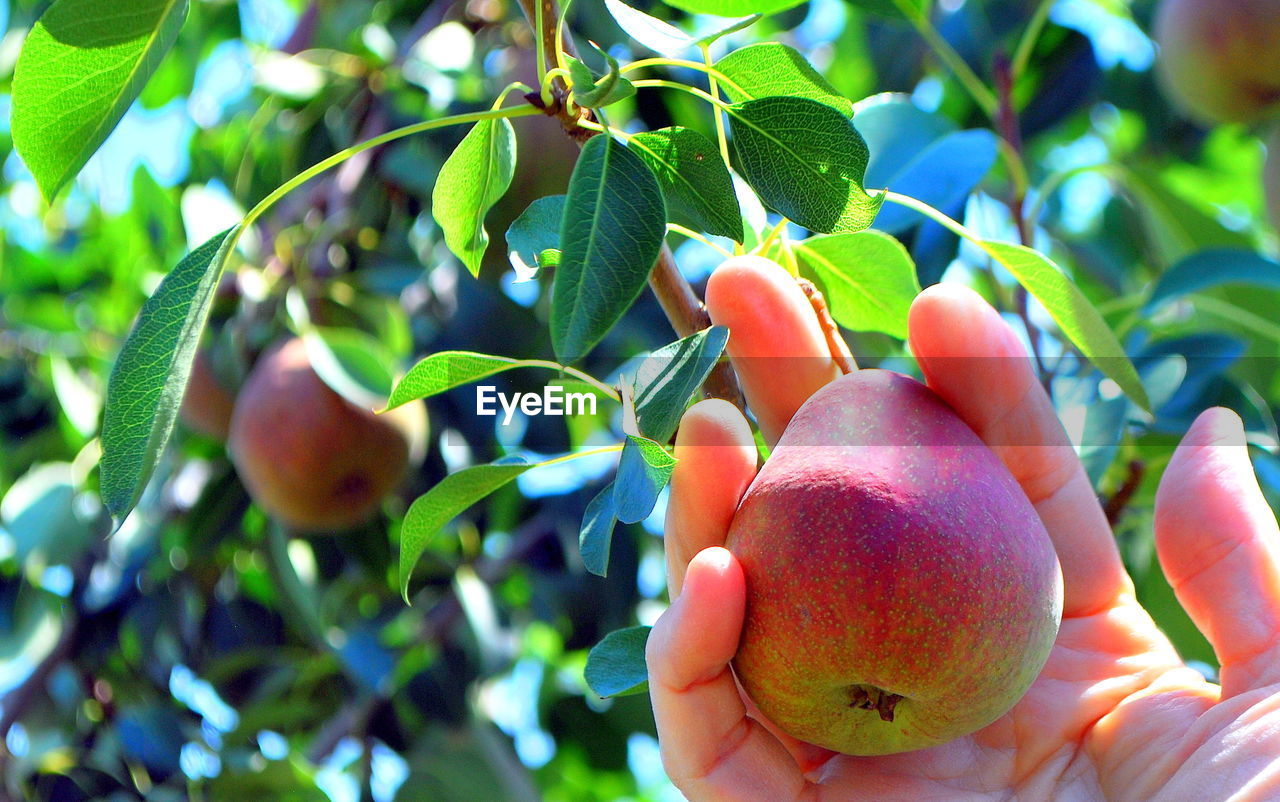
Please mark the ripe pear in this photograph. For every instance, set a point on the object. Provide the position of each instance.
(311, 459)
(901, 589)
(1218, 58)
(206, 407)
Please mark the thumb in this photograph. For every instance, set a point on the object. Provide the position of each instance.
(710, 747)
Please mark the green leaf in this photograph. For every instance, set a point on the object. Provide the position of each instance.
(693, 178)
(39, 511)
(150, 375)
(772, 69)
(591, 93)
(614, 223)
(442, 503)
(868, 277)
(1073, 313)
(655, 34)
(82, 65)
(901, 9)
(616, 665)
(643, 470)
(535, 232)
(806, 161)
(733, 8)
(1214, 268)
(1175, 227)
(353, 363)
(670, 376)
(663, 37)
(942, 174)
(472, 180)
(445, 370)
(597, 531)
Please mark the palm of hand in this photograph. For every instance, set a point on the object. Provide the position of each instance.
(1114, 714)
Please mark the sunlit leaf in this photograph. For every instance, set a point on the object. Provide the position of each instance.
(868, 277)
(663, 37)
(614, 224)
(1073, 313)
(445, 370)
(693, 178)
(472, 180)
(772, 69)
(806, 161)
(733, 8)
(150, 375)
(655, 34)
(82, 65)
(902, 9)
(442, 503)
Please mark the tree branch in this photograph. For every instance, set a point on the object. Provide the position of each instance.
(1011, 133)
(679, 303)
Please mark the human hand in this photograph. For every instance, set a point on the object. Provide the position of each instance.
(1114, 714)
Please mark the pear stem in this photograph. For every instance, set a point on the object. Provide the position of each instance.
(840, 353)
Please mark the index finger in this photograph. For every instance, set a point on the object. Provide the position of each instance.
(778, 348)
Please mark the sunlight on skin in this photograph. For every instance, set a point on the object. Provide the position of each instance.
(1114, 714)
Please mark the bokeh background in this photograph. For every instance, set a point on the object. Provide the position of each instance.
(191, 655)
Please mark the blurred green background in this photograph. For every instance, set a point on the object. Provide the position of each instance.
(191, 655)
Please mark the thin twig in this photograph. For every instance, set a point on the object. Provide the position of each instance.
(1115, 506)
(1010, 131)
(304, 32)
(839, 349)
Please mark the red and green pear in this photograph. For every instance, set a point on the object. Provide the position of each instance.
(1218, 59)
(311, 459)
(901, 589)
(208, 403)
